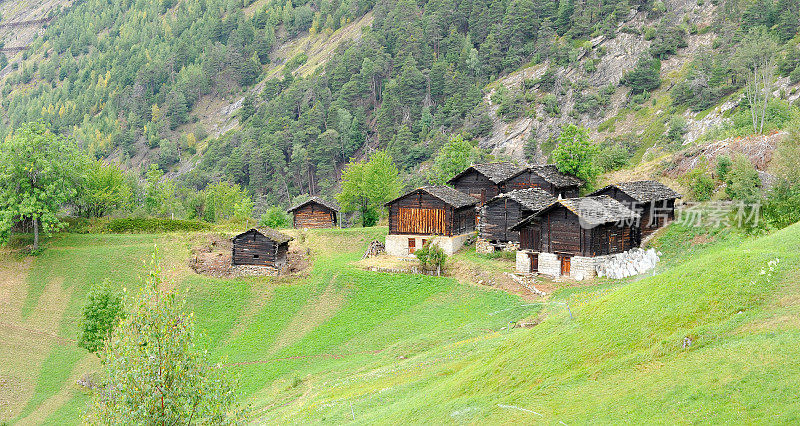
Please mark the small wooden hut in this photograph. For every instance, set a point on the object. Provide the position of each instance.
(572, 232)
(261, 247)
(438, 213)
(654, 201)
(502, 212)
(315, 213)
(484, 181)
(546, 177)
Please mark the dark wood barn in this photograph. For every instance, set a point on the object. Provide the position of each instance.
(546, 177)
(261, 247)
(484, 181)
(654, 201)
(587, 226)
(315, 213)
(502, 212)
(432, 210)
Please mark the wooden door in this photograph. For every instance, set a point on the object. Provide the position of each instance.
(412, 245)
(534, 262)
(565, 265)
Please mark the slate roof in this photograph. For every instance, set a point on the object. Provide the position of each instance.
(591, 211)
(644, 191)
(550, 173)
(449, 195)
(329, 204)
(495, 172)
(270, 233)
(531, 198)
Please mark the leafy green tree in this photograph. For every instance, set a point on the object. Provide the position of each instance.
(575, 154)
(455, 156)
(102, 312)
(221, 200)
(102, 190)
(37, 177)
(367, 185)
(155, 371)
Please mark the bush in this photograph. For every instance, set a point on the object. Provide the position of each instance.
(782, 207)
(644, 77)
(101, 314)
(743, 181)
(431, 257)
(275, 218)
(724, 165)
(612, 157)
(701, 184)
(154, 225)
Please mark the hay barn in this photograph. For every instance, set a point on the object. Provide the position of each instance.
(571, 235)
(260, 247)
(438, 213)
(654, 201)
(546, 177)
(315, 213)
(502, 212)
(484, 181)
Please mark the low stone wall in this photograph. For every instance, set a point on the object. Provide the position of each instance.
(397, 245)
(632, 262)
(484, 246)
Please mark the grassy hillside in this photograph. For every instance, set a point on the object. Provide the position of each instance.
(712, 337)
(273, 334)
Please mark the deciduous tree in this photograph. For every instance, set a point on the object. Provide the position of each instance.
(37, 177)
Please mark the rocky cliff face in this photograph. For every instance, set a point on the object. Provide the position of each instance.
(612, 57)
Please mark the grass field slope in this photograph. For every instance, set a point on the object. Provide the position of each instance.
(713, 337)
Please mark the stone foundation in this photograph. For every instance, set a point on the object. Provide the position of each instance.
(397, 245)
(549, 264)
(633, 262)
(254, 271)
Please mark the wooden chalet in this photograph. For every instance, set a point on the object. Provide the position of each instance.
(546, 177)
(261, 247)
(438, 212)
(582, 228)
(502, 212)
(654, 201)
(315, 213)
(484, 181)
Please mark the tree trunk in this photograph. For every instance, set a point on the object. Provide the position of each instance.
(35, 234)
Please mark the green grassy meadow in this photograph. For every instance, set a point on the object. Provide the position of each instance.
(713, 337)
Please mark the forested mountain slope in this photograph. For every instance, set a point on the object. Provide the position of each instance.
(252, 92)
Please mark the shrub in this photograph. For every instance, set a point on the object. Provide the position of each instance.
(147, 225)
(701, 184)
(612, 157)
(677, 128)
(431, 257)
(743, 181)
(724, 165)
(274, 218)
(644, 77)
(782, 207)
(101, 314)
